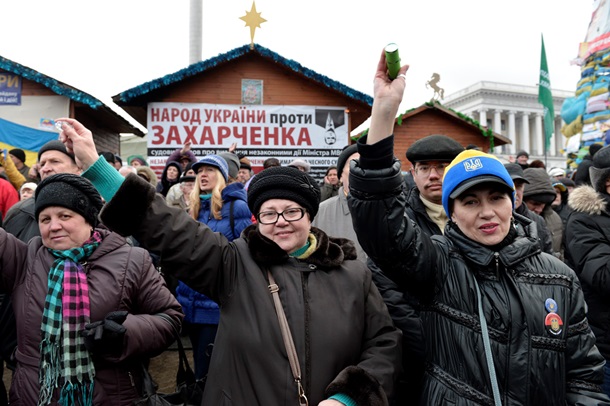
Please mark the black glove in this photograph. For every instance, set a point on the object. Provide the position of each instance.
(106, 336)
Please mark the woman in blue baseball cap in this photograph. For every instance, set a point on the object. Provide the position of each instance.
(223, 207)
(503, 323)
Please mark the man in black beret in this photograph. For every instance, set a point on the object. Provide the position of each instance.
(429, 156)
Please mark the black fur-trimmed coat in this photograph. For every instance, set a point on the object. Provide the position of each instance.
(588, 253)
(344, 337)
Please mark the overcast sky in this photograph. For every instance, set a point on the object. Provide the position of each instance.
(104, 48)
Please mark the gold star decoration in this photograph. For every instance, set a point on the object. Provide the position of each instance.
(253, 20)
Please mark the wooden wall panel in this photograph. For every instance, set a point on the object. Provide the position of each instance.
(222, 85)
(29, 88)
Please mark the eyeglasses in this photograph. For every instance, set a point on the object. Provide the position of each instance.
(426, 169)
(290, 215)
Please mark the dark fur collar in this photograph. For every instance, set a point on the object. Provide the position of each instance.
(330, 253)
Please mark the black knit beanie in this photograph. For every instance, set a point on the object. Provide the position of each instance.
(345, 154)
(18, 153)
(284, 182)
(72, 192)
(55, 145)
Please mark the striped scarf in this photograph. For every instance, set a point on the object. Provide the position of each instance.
(66, 311)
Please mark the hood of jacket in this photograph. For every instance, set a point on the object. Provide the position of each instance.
(166, 182)
(585, 199)
(234, 191)
(539, 184)
(330, 252)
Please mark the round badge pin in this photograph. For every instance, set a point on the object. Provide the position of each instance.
(553, 324)
(550, 305)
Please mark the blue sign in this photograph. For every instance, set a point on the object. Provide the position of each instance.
(10, 89)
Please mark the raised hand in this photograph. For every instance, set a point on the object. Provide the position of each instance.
(187, 147)
(79, 140)
(387, 96)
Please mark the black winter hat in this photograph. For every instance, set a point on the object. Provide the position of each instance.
(601, 159)
(72, 192)
(567, 182)
(187, 178)
(284, 182)
(516, 172)
(55, 145)
(345, 154)
(232, 161)
(594, 148)
(435, 147)
(600, 171)
(523, 153)
(109, 156)
(18, 153)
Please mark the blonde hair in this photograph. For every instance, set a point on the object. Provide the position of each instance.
(216, 200)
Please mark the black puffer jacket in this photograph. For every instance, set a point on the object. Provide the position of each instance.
(417, 212)
(588, 253)
(404, 309)
(544, 235)
(533, 366)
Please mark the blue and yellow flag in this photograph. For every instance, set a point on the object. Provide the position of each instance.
(13, 135)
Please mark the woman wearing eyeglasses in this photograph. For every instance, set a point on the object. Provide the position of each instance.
(347, 349)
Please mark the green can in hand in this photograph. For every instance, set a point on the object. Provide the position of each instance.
(392, 60)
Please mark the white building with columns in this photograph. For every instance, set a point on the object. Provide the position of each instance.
(514, 111)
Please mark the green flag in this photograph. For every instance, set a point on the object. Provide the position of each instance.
(546, 99)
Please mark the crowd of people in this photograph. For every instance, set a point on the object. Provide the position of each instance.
(448, 282)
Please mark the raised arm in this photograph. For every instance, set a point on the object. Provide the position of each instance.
(387, 97)
(189, 249)
(184, 151)
(377, 202)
